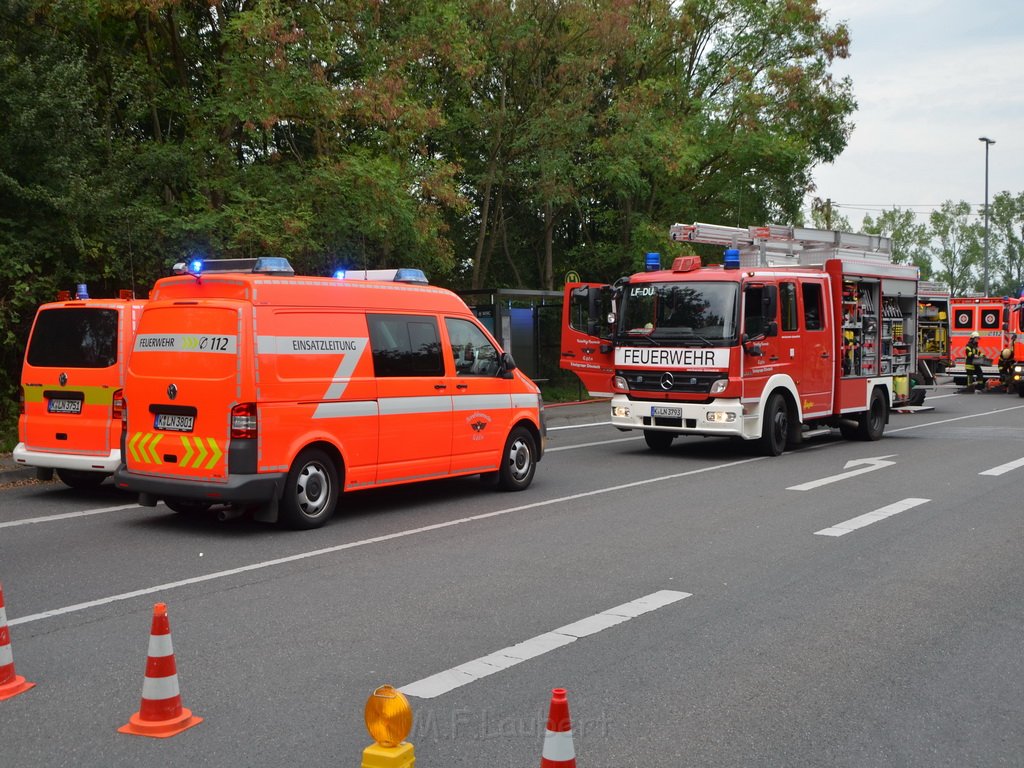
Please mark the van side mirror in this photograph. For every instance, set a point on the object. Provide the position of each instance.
(507, 366)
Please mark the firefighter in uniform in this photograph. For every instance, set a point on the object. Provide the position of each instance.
(1006, 363)
(972, 364)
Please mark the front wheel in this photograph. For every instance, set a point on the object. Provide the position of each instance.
(79, 480)
(310, 492)
(775, 427)
(658, 441)
(518, 461)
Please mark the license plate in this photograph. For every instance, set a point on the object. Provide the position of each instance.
(64, 406)
(665, 411)
(172, 423)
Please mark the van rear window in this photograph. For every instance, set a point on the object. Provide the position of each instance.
(74, 337)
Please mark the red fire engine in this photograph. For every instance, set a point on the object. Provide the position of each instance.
(997, 321)
(799, 331)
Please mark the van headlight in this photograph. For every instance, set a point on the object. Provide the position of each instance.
(719, 386)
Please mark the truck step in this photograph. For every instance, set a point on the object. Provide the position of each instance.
(817, 432)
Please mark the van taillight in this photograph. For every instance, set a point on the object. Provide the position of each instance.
(118, 411)
(243, 420)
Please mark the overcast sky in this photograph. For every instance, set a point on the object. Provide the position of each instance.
(929, 77)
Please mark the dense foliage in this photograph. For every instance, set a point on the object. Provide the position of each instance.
(494, 143)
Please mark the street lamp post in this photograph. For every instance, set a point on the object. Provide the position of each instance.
(988, 143)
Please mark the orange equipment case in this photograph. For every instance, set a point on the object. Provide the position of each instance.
(71, 383)
(267, 392)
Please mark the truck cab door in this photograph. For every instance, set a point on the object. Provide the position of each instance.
(587, 349)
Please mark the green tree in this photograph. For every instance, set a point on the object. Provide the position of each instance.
(1006, 222)
(957, 248)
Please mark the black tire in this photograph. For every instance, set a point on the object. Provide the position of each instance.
(518, 461)
(310, 491)
(79, 480)
(1020, 390)
(775, 427)
(188, 506)
(871, 424)
(658, 441)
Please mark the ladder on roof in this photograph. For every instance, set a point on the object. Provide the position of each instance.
(778, 245)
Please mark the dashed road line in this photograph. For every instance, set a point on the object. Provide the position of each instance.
(871, 517)
(1002, 469)
(442, 682)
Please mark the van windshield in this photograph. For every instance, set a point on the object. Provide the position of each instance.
(74, 337)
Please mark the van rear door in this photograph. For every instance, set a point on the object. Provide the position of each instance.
(183, 380)
(70, 375)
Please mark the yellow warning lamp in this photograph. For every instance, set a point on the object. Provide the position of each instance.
(389, 720)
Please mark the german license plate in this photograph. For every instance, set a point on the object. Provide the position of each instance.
(665, 411)
(61, 405)
(172, 423)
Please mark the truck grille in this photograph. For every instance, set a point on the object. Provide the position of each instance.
(664, 381)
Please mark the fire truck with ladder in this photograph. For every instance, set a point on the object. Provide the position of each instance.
(798, 332)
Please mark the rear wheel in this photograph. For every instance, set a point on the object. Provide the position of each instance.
(310, 491)
(658, 441)
(518, 461)
(74, 478)
(775, 427)
(871, 424)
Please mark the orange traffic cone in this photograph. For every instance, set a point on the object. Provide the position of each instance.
(161, 714)
(558, 749)
(10, 683)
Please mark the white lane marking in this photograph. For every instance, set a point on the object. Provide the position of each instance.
(871, 517)
(442, 682)
(1002, 469)
(364, 542)
(590, 445)
(580, 426)
(866, 465)
(67, 515)
(955, 418)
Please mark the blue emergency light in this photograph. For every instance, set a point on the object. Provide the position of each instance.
(340, 274)
(81, 292)
(731, 259)
(195, 266)
(652, 262)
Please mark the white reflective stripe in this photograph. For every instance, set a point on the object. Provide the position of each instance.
(186, 342)
(160, 645)
(523, 400)
(309, 345)
(6, 656)
(483, 402)
(341, 410)
(404, 406)
(156, 688)
(350, 350)
(558, 746)
(3, 615)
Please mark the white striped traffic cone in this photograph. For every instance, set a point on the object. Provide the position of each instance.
(160, 714)
(11, 684)
(558, 748)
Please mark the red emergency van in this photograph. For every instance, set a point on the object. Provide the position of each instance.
(259, 390)
(71, 383)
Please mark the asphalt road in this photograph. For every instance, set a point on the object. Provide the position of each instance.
(703, 607)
